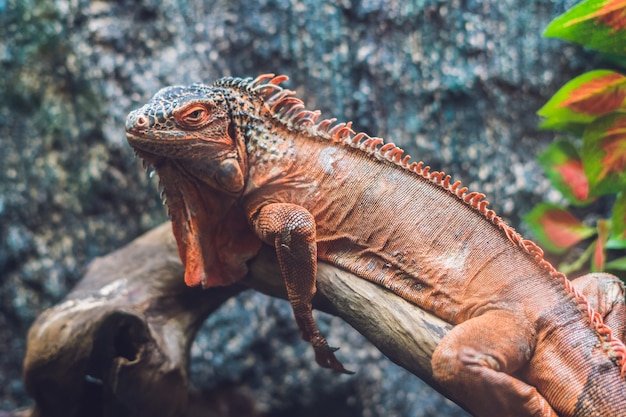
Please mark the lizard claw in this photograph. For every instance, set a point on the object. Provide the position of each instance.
(325, 358)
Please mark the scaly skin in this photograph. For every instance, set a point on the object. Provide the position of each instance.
(242, 162)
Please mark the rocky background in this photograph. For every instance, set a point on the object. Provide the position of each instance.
(457, 83)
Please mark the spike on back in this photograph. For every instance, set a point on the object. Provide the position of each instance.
(291, 111)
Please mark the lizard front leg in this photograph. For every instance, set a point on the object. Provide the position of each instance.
(291, 230)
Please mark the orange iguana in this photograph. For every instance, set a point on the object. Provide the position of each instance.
(243, 162)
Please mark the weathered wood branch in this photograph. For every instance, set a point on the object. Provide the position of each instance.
(118, 345)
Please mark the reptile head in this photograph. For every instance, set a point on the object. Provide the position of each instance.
(188, 136)
(192, 125)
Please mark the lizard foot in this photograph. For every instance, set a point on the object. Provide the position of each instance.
(325, 357)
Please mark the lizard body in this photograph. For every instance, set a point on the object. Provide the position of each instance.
(243, 162)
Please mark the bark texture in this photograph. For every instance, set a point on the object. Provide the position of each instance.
(118, 345)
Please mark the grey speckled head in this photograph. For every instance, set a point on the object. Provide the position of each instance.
(199, 126)
(195, 121)
(174, 114)
(198, 112)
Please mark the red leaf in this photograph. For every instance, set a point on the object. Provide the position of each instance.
(614, 146)
(574, 176)
(555, 228)
(596, 24)
(599, 255)
(598, 96)
(561, 227)
(615, 159)
(613, 14)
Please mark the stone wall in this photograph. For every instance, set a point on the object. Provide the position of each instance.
(457, 83)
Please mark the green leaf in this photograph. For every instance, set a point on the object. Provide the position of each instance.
(555, 228)
(614, 60)
(583, 99)
(617, 238)
(604, 154)
(564, 168)
(599, 25)
(618, 264)
(569, 267)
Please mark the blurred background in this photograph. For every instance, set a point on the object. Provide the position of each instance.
(456, 83)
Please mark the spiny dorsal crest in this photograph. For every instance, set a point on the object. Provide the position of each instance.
(291, 111)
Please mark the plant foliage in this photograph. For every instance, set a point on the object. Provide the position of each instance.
(592, 167)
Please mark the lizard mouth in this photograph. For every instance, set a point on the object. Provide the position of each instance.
(149, 161)
(165, 145)
(154, 149)
(141, 139)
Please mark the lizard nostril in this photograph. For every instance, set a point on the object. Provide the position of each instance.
(142, 121)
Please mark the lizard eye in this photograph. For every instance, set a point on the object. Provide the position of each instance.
(194, 116)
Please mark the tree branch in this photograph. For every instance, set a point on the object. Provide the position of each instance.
(119, 342)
